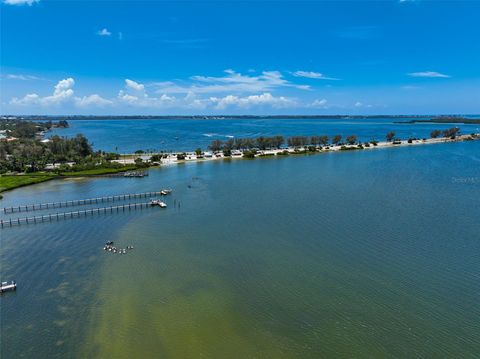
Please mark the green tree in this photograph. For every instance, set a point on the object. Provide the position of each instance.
(351, 139)
(216, 145)
(451, 132)
(435, 133)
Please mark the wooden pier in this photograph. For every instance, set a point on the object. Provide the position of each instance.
(65, 215)
(140, 174)
(80, 202)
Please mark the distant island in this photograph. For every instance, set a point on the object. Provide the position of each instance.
(445, 119)
(215, 117)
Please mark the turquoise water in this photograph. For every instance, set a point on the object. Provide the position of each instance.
(364, 254)
(127, 136)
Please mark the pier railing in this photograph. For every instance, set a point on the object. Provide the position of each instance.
(64, 215)
(78, 202)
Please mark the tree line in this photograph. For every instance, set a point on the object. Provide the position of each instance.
(31, 155)
(277, 142)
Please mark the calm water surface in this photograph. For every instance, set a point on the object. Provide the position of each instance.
(365, 254)
(127, 136)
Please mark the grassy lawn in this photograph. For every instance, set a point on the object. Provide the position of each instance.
(99, 171)
(10, 182)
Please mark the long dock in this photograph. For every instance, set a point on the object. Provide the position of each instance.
(79, 202)
(64, 215)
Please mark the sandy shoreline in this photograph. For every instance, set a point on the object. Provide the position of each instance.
(171, 158)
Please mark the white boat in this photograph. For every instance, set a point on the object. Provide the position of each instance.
(8, 286)
(156, 202)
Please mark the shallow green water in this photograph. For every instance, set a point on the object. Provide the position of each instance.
(368, 254)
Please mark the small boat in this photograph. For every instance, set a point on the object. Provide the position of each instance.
(5, 286)
(156, 202)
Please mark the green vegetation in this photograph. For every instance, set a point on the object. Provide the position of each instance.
(304, 144)
(351, 139)
(29, 129)
(14, 181)
(336, 139)
(445, 119)
(99, 171)
(451, 132)
(390, 136)
(249, 154)
(26, 159)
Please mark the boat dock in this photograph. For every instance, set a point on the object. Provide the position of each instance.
(80, 202)
(127, 174)
(64, 215)
(6, 287)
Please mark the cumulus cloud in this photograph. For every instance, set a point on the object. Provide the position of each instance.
(432, 74)
(104, 32)
(136, 94)
(62, 93)
(20, 2)
(141, 98)
(319, 103)
(359, 104)
(92, 100)
(134, 85)
(252, 100)
(312, 75)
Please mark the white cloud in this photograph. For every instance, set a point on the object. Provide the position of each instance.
(432, 74)
(312, 75)
(92, 100)
(20, 2)
(319, 103)
(252, 100)
(21, 77)
(134, 85)
(28, 99)
(135, 94)
(232, 82)
(63, 93)
(104, 32)
(143, 100)
(359, 104)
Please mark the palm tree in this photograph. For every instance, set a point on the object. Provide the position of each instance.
(336, 139)
(390, 136)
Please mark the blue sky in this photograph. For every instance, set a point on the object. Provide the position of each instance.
(315, 57)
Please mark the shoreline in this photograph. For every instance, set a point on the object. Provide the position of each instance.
(23, 180)
(171, 158)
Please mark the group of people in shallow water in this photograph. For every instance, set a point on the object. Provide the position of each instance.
(111, 248)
